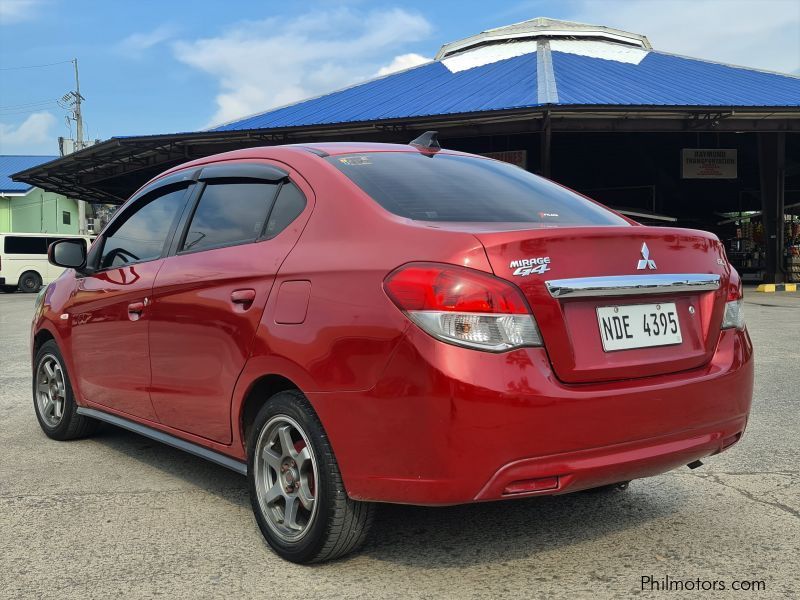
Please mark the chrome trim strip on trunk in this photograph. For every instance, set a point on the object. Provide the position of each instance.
(632, 285)
(166, 438)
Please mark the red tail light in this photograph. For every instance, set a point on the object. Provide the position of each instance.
(735, 291)
(430, 286)
(463, 306)
(734, 314)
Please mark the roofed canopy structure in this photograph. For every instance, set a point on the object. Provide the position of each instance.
(552, 75)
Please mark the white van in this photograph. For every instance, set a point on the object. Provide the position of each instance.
(23, 260)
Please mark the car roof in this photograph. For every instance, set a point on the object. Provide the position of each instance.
(337, 148)
(321, 149)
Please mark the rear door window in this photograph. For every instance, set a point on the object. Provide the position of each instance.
(288, 206)
(446, 187)
(229, 214)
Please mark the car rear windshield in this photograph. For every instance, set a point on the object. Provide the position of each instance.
(446, 187)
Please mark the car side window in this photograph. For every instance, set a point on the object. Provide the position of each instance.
(229, 213)
(141, 237)
(288, 206)
(25, 245)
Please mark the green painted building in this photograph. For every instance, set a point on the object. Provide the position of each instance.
(27, 209)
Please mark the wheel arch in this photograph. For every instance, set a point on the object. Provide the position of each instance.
(260, 390)
(44, 331)
(39, 339)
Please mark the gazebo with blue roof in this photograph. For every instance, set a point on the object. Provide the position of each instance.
(539, 63)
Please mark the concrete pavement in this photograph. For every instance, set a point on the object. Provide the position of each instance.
(121, 516)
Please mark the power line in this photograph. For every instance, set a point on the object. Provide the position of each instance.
(27, 111)
(27, 104)
(28, 107)
(62, 62)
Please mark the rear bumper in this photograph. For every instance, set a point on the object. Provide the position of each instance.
(573, 471)
(447, 425)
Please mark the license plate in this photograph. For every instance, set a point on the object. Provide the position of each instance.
(638, 326)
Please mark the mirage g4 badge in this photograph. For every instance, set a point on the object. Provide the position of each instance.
(646, 262)
(530, 266)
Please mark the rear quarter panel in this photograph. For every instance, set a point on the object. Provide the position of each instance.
(351, 328)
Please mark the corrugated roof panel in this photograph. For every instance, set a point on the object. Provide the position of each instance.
(586, 73)
(14, 163)
(430, 89)
(667, 80)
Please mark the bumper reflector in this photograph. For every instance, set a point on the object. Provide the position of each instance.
(531, 485)
(731, 440)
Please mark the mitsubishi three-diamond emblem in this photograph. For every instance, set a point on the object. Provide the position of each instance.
(646, 262)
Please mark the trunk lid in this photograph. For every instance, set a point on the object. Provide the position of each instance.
(567, 312)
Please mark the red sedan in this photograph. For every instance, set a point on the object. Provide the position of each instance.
(351, 323)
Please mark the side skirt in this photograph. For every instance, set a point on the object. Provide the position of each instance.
(166, 438)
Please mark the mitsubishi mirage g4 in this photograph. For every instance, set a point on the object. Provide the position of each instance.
(353, 323)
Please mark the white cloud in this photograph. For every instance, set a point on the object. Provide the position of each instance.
(754, 33)
(269, 63)
(402, 62)
(32, 136)
(14, 11)
(135, 45)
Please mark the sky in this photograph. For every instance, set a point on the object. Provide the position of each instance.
(149, 66)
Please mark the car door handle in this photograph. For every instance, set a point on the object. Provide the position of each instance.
(136, 307)
(135, 310)
(243, 297)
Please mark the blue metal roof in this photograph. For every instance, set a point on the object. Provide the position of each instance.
(571, 79)
(14, 163)
(662, 79)
(430, 89)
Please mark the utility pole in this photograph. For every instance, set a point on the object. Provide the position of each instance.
(77, 109)
(79, 143)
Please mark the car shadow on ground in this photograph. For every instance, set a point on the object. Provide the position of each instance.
(493, 532)
(452, 536)
(200, 473)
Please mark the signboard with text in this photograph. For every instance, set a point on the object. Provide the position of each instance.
(515, 157)
(708, 163)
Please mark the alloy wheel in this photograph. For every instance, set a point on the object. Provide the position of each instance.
(51, 390)
(286, 478)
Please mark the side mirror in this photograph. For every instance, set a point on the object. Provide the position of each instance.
(70, 254)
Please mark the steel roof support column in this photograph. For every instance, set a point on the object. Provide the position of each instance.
(545, 143)
(772, 168)
(547, 92)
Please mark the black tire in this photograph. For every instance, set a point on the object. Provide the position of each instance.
(339, 524)
(30, 282)
(71, 425)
